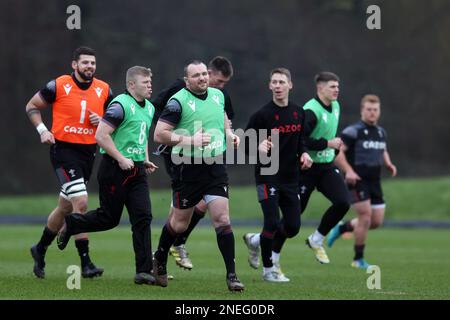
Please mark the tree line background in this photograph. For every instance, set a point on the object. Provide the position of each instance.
(406, 63)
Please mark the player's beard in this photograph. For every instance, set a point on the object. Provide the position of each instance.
(85, 77)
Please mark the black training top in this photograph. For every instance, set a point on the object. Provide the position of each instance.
(366, 145)
(289, 122)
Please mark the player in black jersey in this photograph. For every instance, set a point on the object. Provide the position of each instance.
(220, 71)
(362, 156)
(280, 190)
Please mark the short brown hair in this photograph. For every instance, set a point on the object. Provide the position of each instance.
(372, 98)
(326, 76)
(222, 65)
(284, 71)
(137, 70)
(195, 63)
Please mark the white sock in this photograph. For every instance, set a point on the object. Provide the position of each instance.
(267, 270)
(275, 257)
(317, 238)
(255, 239)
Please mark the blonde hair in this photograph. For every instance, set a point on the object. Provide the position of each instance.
(137, 70)
(371, 98)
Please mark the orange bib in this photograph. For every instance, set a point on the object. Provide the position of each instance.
(70, 109)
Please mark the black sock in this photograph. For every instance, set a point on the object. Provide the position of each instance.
(279, 239)
(266, 242)
(83, 251)
(196, 217)
(359, 251)
(167, 238)
(46, 239)
(346, 227)
(225, 241)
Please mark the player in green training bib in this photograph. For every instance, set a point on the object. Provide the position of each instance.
(201, 115)
(326, 128)
(131, 137)
(195, 124)
(123, 137)
(321, 123)
(220, 71)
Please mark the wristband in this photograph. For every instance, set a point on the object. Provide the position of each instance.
(41, 128)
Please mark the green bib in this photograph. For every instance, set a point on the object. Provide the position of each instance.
(199, 114)
(131, 136)
(326, 128)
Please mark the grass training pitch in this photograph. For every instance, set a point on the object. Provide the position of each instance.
(414, 264)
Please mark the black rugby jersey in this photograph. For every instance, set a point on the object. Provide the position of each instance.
(366, 145)
(289, 122)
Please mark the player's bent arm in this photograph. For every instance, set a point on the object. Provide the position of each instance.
(226, 123)
(230, 137)
(387, 158)
(150, 167)
(388, 163)
(164, 134)
(33, 108)
(305, 161)
(334, 143)
(341, 161)
(309, 124)
(34, 114)
(104, 140)
(146, 153)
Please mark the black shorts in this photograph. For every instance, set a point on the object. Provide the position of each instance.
(367, 189)
(73, 165)
(166, 153)
(191, 183)
(168, 164)
(281, 194)
(327, 179)
(275, 196)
